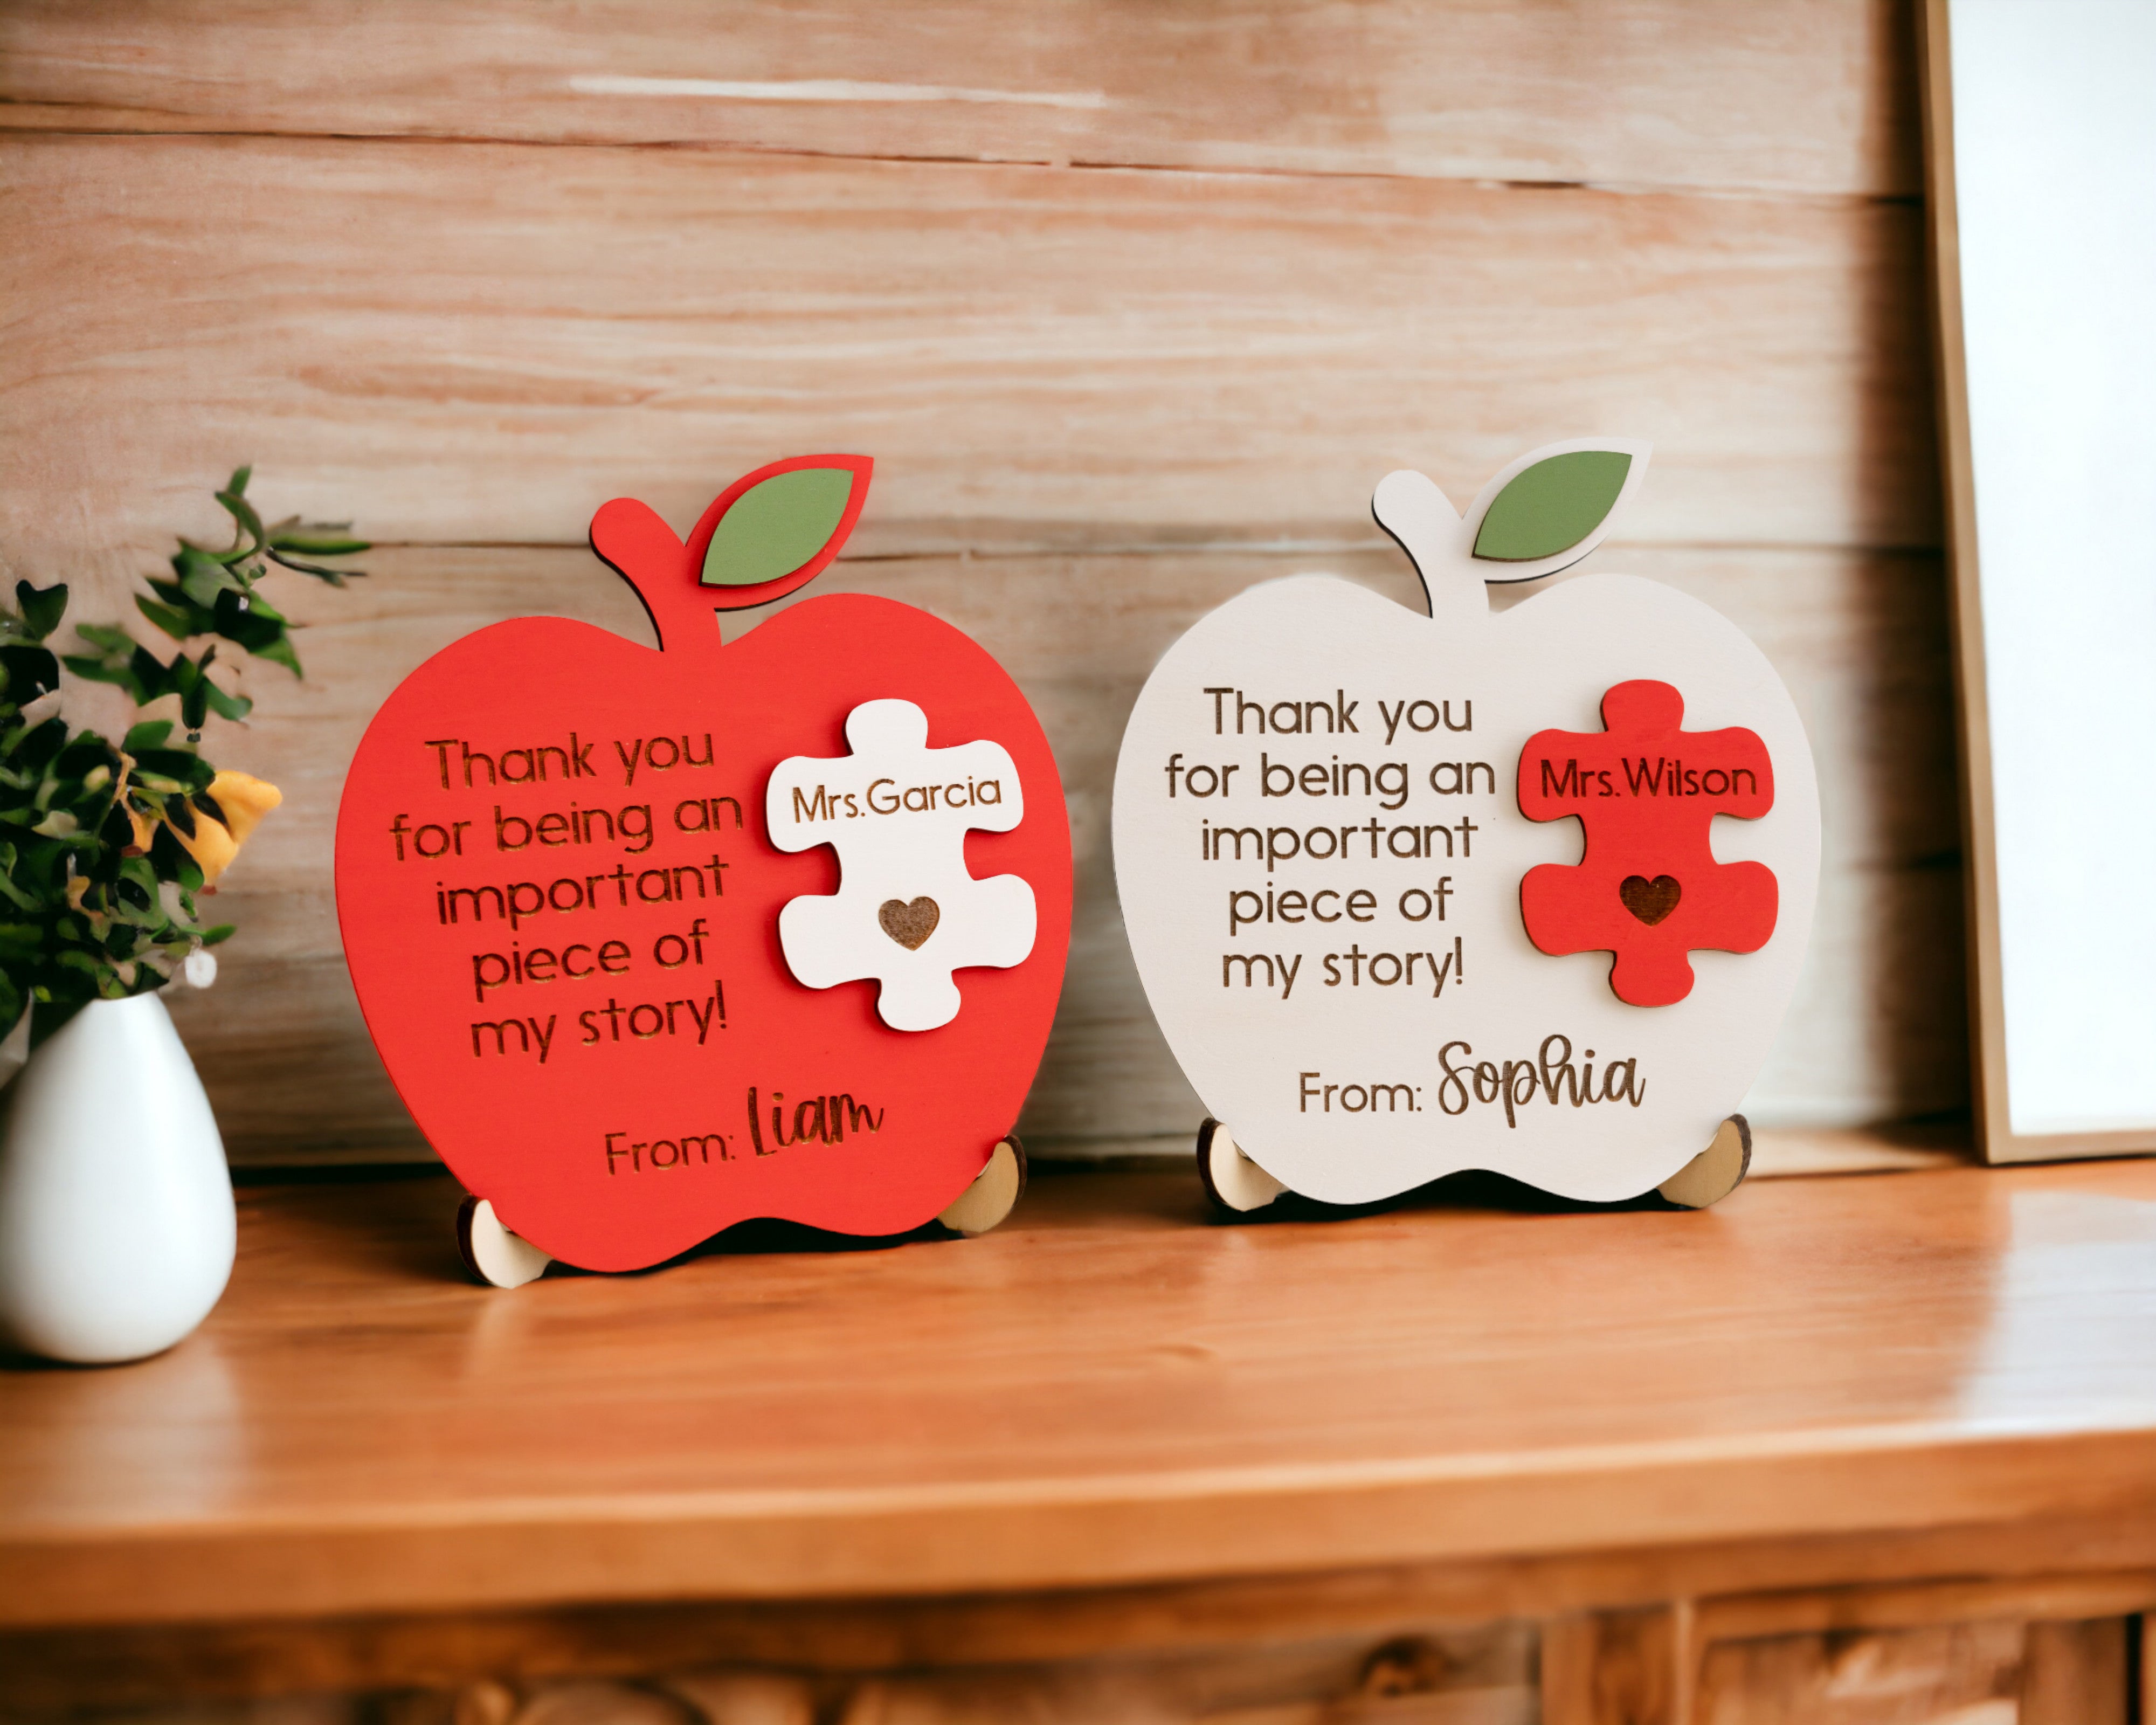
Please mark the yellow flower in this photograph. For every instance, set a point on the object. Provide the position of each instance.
(244, 799)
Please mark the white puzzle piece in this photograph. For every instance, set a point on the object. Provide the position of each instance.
(907, 913)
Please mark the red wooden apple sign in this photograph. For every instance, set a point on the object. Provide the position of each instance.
(560, 900)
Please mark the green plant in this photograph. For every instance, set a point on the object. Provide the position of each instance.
(104, 846)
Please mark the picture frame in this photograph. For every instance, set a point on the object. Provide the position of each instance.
(2038, 151)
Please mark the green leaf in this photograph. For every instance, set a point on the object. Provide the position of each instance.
(97, 671)
(320, 571)
(280, 651)
(150, 734)
(194, 703)
(224, 705)
(29, 672)
(202, 578)
(43, 608)
(243, 512)
(239, 553)
(240, 475)
(176, 623)
(249, 603)
(771, 530)
(172, 594)
(185, 770)
(320, 540)
(257, 626)
(1550, 507)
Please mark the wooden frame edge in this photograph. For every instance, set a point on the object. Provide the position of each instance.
(1979, 881)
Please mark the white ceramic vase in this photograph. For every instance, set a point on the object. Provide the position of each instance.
(117, 1217)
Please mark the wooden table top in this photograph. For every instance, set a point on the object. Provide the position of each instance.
(1109, 1389)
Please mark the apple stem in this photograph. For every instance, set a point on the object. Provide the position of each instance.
(631, 539)
(1423, 524)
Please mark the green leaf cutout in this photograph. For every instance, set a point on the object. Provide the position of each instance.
(1550, 507)
(772, 529)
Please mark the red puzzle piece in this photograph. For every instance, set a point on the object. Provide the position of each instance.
(1648, 887)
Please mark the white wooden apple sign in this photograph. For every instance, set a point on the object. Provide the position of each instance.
(1526, 891)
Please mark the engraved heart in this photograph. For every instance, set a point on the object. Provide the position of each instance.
(1649, 901)
(912, 924)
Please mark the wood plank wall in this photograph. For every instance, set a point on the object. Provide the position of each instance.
(1133, 302)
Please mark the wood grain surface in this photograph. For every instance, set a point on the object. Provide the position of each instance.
(1433, 1624)
(1805, 96)
(1116, 360)
(1957, 1674)
(1321, 1649)
(1983, 1672)
(474, 341)
(1105, 1392)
